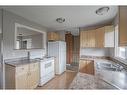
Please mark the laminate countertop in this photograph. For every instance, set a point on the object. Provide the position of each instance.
(20, 62)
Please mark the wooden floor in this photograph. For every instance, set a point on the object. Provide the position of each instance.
(60, 81)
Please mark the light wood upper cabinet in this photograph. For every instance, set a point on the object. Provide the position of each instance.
(22, 77)
(109, 36)
(123, 26)
(87, 39)
(53, 36)
(100, 37)
(83, 39)
(91, 38)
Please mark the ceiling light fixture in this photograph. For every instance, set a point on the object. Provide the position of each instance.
(60, 20)
(102, 10)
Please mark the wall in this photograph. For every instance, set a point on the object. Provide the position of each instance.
(9, 31)
(1, 74)
(95, 52)
(9, 20)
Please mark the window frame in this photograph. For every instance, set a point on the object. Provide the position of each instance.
(116, 48)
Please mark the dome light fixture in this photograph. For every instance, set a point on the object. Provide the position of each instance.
(102, 10)
(60, 20)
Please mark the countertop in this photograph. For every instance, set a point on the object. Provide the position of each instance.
(115, 78)
(25, 61)
(86, 81)
(19, 62)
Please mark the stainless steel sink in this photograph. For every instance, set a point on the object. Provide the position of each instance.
(109, 66)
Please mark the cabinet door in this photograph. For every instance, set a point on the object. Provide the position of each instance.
(100, 37)
(83, 39)
(109, 36)
(91, 38)
(22, 77)
(86, 66)
(83, 66)
(123, 26)
(33, 75)
(90, 67)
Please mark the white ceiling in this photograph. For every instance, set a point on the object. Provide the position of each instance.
(75, 16)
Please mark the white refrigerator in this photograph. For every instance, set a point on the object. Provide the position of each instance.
(57, 49)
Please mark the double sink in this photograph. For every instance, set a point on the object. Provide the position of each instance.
(110, 66)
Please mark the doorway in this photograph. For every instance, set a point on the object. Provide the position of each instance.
(73, 47)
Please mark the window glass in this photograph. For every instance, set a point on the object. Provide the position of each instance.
(120, 52)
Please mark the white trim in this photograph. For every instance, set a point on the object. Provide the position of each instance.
(121, 60)
(116, 47)
(24, 26)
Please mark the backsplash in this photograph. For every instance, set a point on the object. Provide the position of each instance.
(95, 52)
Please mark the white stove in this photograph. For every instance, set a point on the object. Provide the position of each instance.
(46, 69)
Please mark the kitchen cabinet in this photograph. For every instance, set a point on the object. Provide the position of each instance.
(91, 38)
(122, 26)
(53, 36)
(99, 37)
(87, 39)
(109, 36)
(22, 77)
(83, 39)
(86, 66)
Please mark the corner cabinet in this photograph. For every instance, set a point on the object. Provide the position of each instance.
(86, 66)
(122, 26)
(22, 76)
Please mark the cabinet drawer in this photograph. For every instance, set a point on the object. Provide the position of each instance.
(22, 69)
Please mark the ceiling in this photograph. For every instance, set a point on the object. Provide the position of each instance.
(75, 16)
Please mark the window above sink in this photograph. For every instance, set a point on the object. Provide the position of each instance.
(120, 51)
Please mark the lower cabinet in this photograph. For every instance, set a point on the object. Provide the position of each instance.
(22, 77)
(86, 66)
